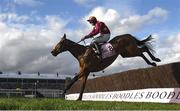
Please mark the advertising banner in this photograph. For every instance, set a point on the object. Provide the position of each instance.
(159, 95)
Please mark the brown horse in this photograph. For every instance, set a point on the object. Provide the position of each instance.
(125, 45)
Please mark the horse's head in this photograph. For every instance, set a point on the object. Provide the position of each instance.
(60, 47)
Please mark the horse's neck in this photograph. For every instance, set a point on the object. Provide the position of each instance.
(75, 49)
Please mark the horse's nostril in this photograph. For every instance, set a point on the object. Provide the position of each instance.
(52, 52)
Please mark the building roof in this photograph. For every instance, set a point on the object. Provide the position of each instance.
(33, 76)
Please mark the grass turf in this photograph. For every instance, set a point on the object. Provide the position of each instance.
(60, 104)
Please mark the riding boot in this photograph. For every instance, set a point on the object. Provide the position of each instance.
(97, 48)
(98, 51)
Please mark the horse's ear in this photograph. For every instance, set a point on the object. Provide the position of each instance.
(64, 36)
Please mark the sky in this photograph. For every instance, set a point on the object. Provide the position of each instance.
(30, 28)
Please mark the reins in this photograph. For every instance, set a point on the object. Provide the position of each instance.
(81, 41)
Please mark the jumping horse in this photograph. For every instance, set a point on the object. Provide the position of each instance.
(125, 45)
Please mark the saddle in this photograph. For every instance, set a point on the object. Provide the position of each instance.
(104, 50)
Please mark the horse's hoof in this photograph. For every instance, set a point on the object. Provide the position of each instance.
(64, 92)
(153, 64)
(79, 100)
(157, 60)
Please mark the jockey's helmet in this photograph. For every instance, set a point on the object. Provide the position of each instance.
(92, 19)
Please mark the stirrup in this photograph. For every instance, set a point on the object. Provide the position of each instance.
(99, 57)
(96, 51)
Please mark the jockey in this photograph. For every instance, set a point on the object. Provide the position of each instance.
(99, 28)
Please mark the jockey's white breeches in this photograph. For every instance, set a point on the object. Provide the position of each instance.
(101, 38)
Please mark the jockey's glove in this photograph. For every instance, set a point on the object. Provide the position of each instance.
(85, 37)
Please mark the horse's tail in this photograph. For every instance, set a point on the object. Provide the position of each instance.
(143, 42)
(146, 42)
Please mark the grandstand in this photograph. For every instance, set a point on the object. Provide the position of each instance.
(31, 85)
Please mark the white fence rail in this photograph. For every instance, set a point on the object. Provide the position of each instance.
(50, 93)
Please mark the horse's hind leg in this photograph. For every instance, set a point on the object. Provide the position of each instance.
(147, 61)
(151, 55)
(71, 83)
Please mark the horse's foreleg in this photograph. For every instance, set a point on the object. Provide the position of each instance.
(147, 61)
(151, 55)
(82, 87)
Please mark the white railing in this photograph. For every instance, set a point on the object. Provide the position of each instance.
(50, 93)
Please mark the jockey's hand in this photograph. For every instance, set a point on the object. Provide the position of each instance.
(83, 38)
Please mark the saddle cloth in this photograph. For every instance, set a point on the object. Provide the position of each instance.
(107, 50)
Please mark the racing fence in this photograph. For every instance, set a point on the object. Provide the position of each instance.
(154, 84)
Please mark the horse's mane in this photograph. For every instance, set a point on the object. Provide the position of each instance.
(74, 43)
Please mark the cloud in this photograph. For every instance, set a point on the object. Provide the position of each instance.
(28, 49)
(110, 16)
(13, 17)
(86, 3)
(55, 23)
(28, 2)
(169, 49)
